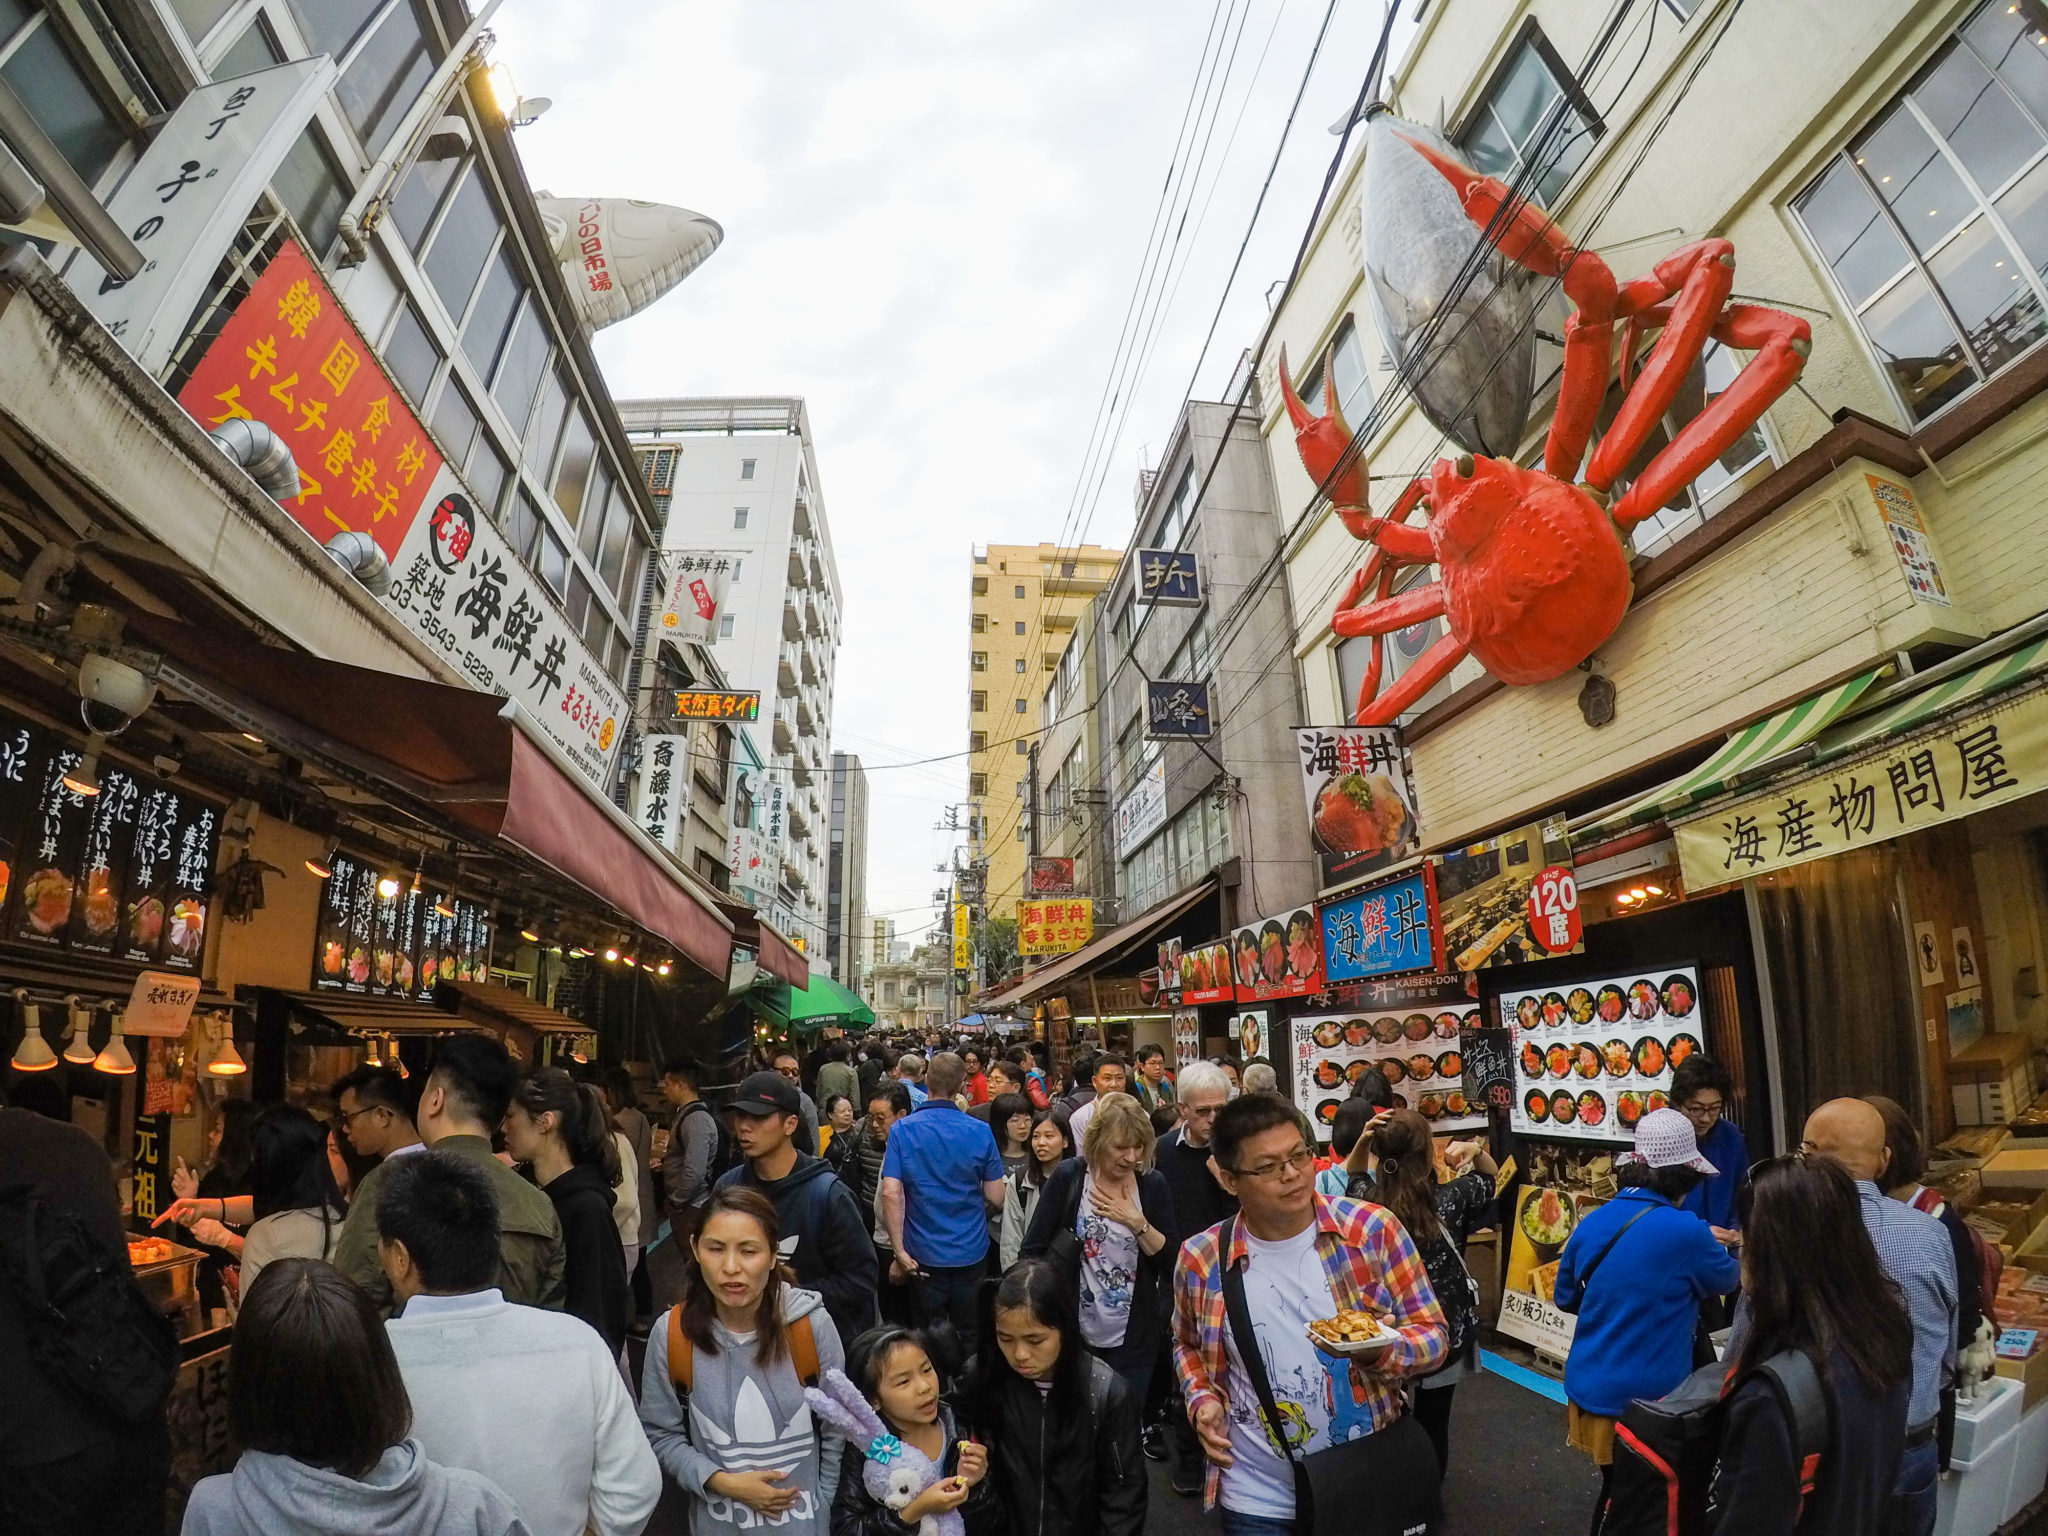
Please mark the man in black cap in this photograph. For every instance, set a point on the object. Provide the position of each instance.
(823, 1237)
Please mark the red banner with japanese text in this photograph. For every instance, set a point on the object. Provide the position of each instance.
(289, 358)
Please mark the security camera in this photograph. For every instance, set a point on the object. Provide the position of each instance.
(114, 693)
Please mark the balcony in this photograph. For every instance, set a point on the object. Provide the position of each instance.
(1073, 586)
(817, 554)
(792, 616)
(785, 727)
(806, 718)
(802, 520)
(814, 623)
(808, 659)
(799, 822)
(786, 669)
(800, 774)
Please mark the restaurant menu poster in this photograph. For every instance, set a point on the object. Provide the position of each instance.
(1278, 957)
(1593, 1057)
(396, 945)
(1416, 1051)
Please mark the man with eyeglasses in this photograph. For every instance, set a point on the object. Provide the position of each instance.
(1701, 1088)
(1198, 1203)
(1302, 1256)
(806, 1138)
(377, 1106)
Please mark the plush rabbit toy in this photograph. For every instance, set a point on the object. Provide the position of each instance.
(894, 1473)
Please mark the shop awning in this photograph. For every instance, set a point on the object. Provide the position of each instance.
(1755, 744)
(1953, 693)
(360, 1014)
(773, 953)
(1093, 956)
(807, 1011)
(458, 753)
(495, 1007)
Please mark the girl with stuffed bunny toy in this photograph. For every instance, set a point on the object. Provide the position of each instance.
(907, 1465)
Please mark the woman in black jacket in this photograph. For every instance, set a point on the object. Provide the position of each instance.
(1102, 1220)
(559, 1127)
(1814, 1285)
(1060, 1425)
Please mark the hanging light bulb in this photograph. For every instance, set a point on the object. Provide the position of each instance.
(115, 1060)
(227, 1061)
(1623, 898)
(371, 1058)
(321, 866)
(85, 778)
(611, 952)
(662, 969)
(444, 906)
(34, 1053)
(419, 876)
(387, 886)
(529, 930)
(77, 1044)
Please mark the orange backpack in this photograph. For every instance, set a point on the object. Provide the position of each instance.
(803, 1350)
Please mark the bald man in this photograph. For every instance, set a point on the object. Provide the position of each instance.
(1915, 1251)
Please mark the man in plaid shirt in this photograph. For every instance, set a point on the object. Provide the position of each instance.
(1303, 1256)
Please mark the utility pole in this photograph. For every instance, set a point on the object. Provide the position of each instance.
(1031, 807)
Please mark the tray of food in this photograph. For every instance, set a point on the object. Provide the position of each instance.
(1350, 1335)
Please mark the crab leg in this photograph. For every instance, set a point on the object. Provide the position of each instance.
(1390, 613)
(1701, 275)
(1391, 532)
(1527, 237)
(1430, 669)
(1780, 343)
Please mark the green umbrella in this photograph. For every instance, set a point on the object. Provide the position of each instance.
(824, 1002)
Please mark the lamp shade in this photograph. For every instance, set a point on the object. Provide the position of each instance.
(115, 1060)
(227, 1061)
(34, 1053)
(77, 1041)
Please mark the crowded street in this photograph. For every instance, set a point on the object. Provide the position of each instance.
(1254, 768)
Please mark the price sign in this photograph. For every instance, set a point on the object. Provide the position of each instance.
(1554, 910)
(160, 1004)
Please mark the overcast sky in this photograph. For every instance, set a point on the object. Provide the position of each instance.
(934, 215)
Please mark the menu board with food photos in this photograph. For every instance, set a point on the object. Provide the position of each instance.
(1593, 1057)
(1205, 974)
(126, 873)
(1417, 1051)
(1278, 957)
(395, 945)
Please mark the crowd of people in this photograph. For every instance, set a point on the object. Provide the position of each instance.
(936, 1284)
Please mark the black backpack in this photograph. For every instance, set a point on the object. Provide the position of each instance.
(1666, 1451)
(725, 1151)
(90, 1327)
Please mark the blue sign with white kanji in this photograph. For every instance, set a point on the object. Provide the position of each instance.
(1167, 577)
(1178, 712)
(1383, 931)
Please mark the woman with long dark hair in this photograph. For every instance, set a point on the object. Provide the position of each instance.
(1061, 1426)
(559, 1126)
(722, 1393)
(298, 1210)
(1048, 1144)
(1814, 1285)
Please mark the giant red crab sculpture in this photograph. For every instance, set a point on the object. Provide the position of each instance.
(1533, 571)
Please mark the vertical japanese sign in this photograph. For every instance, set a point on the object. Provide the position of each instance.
(962, 958)
(188, 195)
(1384, 930)
(664, 789)
(1361, 808)
(1143, 811)
(151, 1167)
(289, 358)
(693, 592)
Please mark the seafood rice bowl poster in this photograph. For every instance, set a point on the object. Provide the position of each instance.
(1593, 1057)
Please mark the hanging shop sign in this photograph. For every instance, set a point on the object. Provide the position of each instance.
(1205, 974)
(1278, 957)
(1979, 760)
(716, 704)
(1361, 807)
(962, 955)
(1048, 876)
(1417, 1052)
(1483, 897)
(1143, 811)
(662, 789)
(747, 857)
(1593, 1057)
(1383, 930)
(377, 936)
(290, 358)
(126, 874)
(1187, 1037)
(160, 1005)
(187, 197)
(1912, 546)
(694, 591)
(1178, 712)
(1167, 578)
(1253, 1028)
(459, 586)
(1054, 927)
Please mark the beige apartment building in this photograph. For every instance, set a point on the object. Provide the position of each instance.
(1026, 600)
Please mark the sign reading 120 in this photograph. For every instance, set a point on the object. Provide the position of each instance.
(710, 704)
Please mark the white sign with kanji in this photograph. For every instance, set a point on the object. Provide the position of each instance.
(695, 583)
(662, 789)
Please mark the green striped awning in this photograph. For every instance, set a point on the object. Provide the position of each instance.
(1755, 744)
(1944, 697)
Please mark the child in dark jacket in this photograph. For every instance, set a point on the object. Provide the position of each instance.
(893, 1369)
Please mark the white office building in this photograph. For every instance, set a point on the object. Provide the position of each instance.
(738, 481)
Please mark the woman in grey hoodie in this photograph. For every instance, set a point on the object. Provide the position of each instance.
(722, 1394)
(320, 1409)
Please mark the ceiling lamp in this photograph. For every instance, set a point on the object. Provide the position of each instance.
(77, 1046)
(387, 886)
(611, 952)
(115, 1060)
(227, 1061)
(34, 1053)
(419, 876)
(1623, 898)
(1654, 890)
(662, 969)
(371, 1058)
(321, 866)
(85, 778)
(529, 930)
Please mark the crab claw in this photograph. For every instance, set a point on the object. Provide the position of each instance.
(1526, 237)
(1323, 441)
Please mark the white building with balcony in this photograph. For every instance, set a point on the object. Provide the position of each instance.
(742, 483)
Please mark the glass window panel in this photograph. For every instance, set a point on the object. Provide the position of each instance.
(1924, 191)
(250, 52)
(1854, 236)
(310, 184)
(412, 210)
(331, 25)
(628, 589)
(546, 430)
(1721, 367)
(554, 562)
(591, 529)
(1523, 96)
(455, 422)
(1488, 147)
(2025, 211)
(488, 471)
(611, 555)
(409, 352)
(579, 599)
(199, 17)
(579, 446)
(54, 91)
(1561, 153)
(386, 77)
(622, 661)
(1347, 368)
(597, 631)
(1980, 122)
(464, 240)
(2005, 41)
(522, 525)
(490, 317)
(519, 372)
(1911, 335)
(1988, 290)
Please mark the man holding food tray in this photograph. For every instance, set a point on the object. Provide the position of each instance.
(1344, 1312)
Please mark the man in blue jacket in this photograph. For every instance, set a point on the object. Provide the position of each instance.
(1635, 1271)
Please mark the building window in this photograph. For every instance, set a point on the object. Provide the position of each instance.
(1067, 570)
(739, 517)
(747, 469)
(1020, 589)
(1534, 127)
(977, 784)
(1346, 360)
(1019, 703)
(977, 741)
(736, 571)
(1023, 747)
(977, 702)
(979, 624)
(1020, 831)
(310, 184)
(1934, 220)
(1180, 508)
(1020, 626)
(725, 626)
(1020, 663)
(55, 92)
(1404, 648)
(977, 661)
(981, 586)
(409, 352)
(385, 77)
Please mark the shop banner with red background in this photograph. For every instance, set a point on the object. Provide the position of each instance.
(289, 358)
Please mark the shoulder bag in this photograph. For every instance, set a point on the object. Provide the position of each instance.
(1383, 1484)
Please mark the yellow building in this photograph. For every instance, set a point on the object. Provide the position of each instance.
(1026, 598)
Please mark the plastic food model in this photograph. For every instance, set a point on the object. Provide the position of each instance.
(1534, 564)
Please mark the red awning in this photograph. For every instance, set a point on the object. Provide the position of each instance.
(775, 954)
(456, 752)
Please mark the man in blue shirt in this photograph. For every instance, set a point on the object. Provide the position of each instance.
(1701, 1088)
(909, 1069)
(940, 1178)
